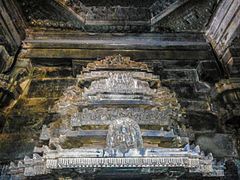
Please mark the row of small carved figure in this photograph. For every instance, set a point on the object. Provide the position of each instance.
(105, 74)
(123, 162)
(106, 115)
(118, 13)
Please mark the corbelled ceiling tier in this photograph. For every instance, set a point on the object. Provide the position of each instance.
(120, 16)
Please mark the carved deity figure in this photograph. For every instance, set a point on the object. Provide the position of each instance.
(124, 134)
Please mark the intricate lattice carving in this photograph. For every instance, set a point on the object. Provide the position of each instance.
(122, 82)
(105, 116)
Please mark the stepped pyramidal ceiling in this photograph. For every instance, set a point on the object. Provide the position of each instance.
(131, 89)
(120, 118)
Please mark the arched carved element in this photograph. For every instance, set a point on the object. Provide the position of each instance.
(116, 62)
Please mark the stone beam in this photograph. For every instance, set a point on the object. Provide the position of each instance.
(167, 11)
(12, 32)
(231, 58)
(223, 29)
(78, 11)
(5, 60)
(12, 25)
(223, 34)
(145, 46)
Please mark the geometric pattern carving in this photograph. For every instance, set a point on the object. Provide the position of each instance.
(118, 16)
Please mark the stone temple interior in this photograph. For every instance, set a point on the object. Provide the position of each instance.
(110, 89)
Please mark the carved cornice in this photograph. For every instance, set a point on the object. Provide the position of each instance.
(103, 13)
(116, 62)
(49, 14)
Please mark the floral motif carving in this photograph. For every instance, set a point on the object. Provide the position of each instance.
(116, 62)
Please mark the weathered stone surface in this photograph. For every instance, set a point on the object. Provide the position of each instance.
(231, 170)
(230, 58)
(12, 25)
(189, 16)
(51, 88)
(202, 122)
(16, 145)
(223, 33)
(224, 27)
(221, 145)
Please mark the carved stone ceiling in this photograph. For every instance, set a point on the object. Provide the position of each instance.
(120, 16)
(136, 3)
